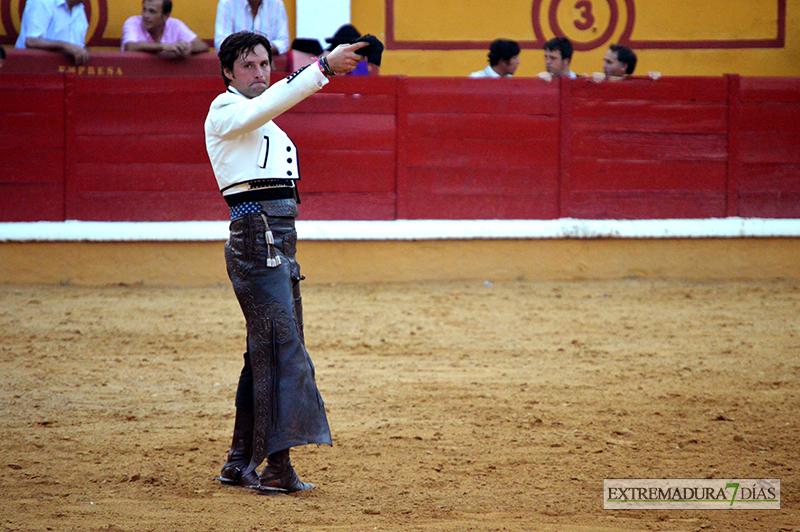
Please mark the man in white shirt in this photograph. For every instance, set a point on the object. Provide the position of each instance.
(503, 60)
(55, 25)
(557, 59)
(278, 405)
(619, 63)
(267, 17)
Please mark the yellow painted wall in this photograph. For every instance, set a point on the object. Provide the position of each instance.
(483, 20)
(676, 20)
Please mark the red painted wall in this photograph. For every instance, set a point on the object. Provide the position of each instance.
(131, 148)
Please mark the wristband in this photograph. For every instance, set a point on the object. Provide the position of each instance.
(325, 67)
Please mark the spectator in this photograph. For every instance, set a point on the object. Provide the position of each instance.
(304, 52)
(348, 34)
(2, 55)
(557, 59)
(267, 17)
(503, 60)
(57, 26)
(154, 31)
(619, 63)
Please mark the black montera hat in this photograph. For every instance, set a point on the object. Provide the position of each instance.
(344, 35)
(308, 46)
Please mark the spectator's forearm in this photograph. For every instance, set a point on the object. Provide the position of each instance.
(152, 47)
(46, 44)
(199, 46)
(79, 54)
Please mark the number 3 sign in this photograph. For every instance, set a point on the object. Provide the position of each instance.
(589, 24)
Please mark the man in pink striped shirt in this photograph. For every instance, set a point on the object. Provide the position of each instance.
(154, 31)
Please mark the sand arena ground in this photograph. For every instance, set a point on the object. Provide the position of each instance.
(454, 405)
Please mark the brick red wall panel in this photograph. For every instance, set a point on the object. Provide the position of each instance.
(653, 147)
(769, 90)
(423, 206)
(683, 89)
(774, 177)
(40, 202)
(489, 154)
(150, 206)
(770, 116)
(645, 149)
(342, 171)
(33, 128)
(768, 169)
(478, 126)
(27, 93)
(339, 131)
(506, 181)
(141, 149)
(147, 176)
(770, 204)
(32, 166)
(31, 148)
(648, 116)
(353, 95)
(644, 204)
(327, 102)
(614, 174)
(481, 96)
(347, 206)
(770, 147)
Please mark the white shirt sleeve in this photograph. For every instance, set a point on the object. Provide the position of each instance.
(279, 26)
(35, 20)
(223, 26)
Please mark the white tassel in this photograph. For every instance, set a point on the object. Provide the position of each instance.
(273, 260)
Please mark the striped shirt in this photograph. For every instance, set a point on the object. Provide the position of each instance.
(270, 21)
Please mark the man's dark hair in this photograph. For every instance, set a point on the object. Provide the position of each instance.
(502, 49)
(625, 55)
(561, 44)
(166, 7)
(239, 45)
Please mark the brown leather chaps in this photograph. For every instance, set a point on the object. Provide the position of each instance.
(278, 380)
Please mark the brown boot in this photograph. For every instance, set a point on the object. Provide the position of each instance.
(279, 474)
(239, 454)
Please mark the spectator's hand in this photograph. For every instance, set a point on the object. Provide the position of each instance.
(546, 76)
(598, 77)
(344, 59)
(180, 48)
(79, 54)
(655, 76)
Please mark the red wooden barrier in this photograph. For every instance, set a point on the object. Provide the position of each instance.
(645, 149)
(768, 161)
(477, 149)
(136, 151)
(32, 148)
(132, 148)
(347, 142)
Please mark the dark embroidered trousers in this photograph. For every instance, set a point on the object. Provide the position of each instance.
(278, 379)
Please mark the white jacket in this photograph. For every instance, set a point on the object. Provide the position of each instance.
(244, 144)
